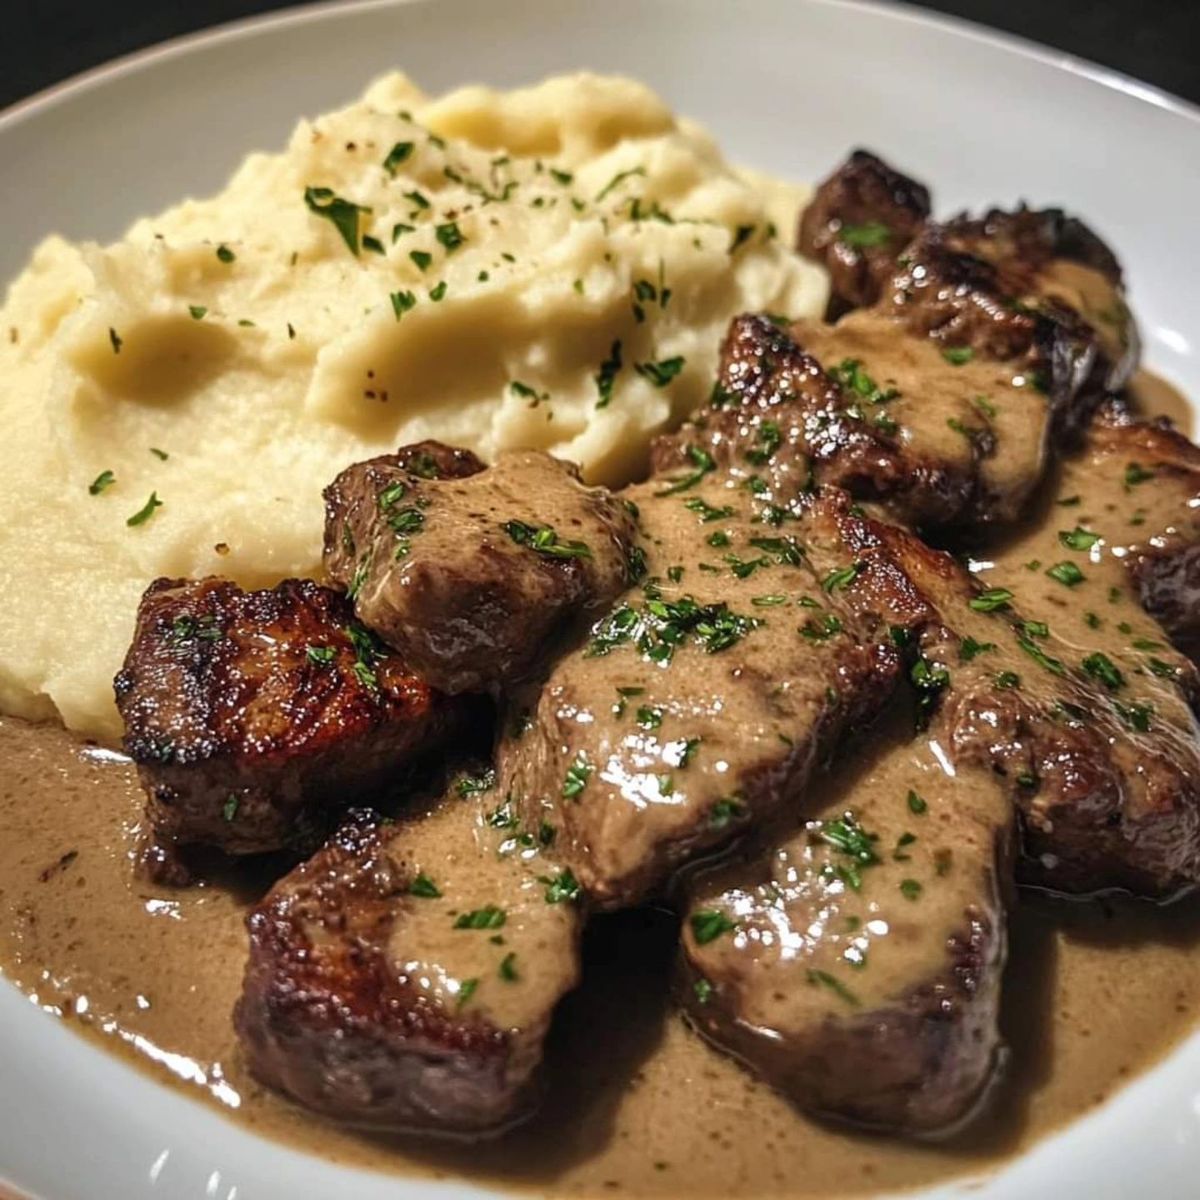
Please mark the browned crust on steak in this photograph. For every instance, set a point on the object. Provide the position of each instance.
(868, 202)
(252, 715)
(325, 1018)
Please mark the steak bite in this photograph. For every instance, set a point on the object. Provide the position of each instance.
(701, 702)
(473, 576)
(938, 441)
(857, 223)
(252, 715)
(1097, 746)
(854, 961)
(404, 977)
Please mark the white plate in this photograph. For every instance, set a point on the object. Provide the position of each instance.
(787, 85)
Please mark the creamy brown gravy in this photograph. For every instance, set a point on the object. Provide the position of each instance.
(1154, 396)
(636, 1102)
(1094, 994)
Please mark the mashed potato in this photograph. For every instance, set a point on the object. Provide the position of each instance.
(549, 267)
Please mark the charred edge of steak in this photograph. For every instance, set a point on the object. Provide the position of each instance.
(324, 1019)
(251, 715)
(919, 1067)
(857, 222)
(1025, 239)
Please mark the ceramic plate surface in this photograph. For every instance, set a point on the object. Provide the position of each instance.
(786, 85)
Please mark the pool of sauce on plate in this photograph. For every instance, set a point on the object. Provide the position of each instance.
(636, 1104)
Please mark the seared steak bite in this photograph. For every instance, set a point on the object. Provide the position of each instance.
(886, 416)
(1048, 260)
(701, 701)
(473, 577)
(253, 715)
(1098, 748)
(857, 223)
(854, 961)
(404, 978)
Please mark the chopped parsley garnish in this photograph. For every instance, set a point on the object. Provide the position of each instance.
(320, 655)
(197, 311)
(232, 804)
(544, 540)
(991, 600)
(526, 392)
(1100, 666)
(402, 302)
(984, 407)
(824, 979)
(508, 967)
(663, 625)
(958, 356)
(1136, 716)
(162, 455)
(708, 924)
(772, 600)
(606, 376)
(421, 258)
(821, 630)
(437, 291)
(1078, 538)
(424, 887)
(910, 889)
(399, 153)
(865, 236)
(707, 511)
(144, 513)
(1039, 655)
(842, 577)
(450, 236)
(929, 680)
(1135, 474)
(847, 836)
(703, 991)
(343, 214)
(115, 340)
(660, 373)
(561, 887)
(849, 375)
(969, 648)
(102, 481)
(417, 199)
(916, 804)
(473, 785)
(723, 812)
(1008, 680)
(617, 180)
(466, 989)
(225, 254)
(488, 917)
(576, 778)
(649, 718)
(767, 441)
(704, 464)
(1066, 573)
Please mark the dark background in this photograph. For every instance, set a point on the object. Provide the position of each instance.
(47, 40)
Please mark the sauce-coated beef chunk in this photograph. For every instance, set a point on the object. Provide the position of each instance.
(252, 715)
(404, 978)
(472, 576)
(858, 221)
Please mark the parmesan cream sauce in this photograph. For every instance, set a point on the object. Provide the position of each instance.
(1094, 994)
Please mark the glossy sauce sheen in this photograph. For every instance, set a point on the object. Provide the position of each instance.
(636, 1102)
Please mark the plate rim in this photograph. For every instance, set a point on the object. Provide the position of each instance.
(318, 10)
